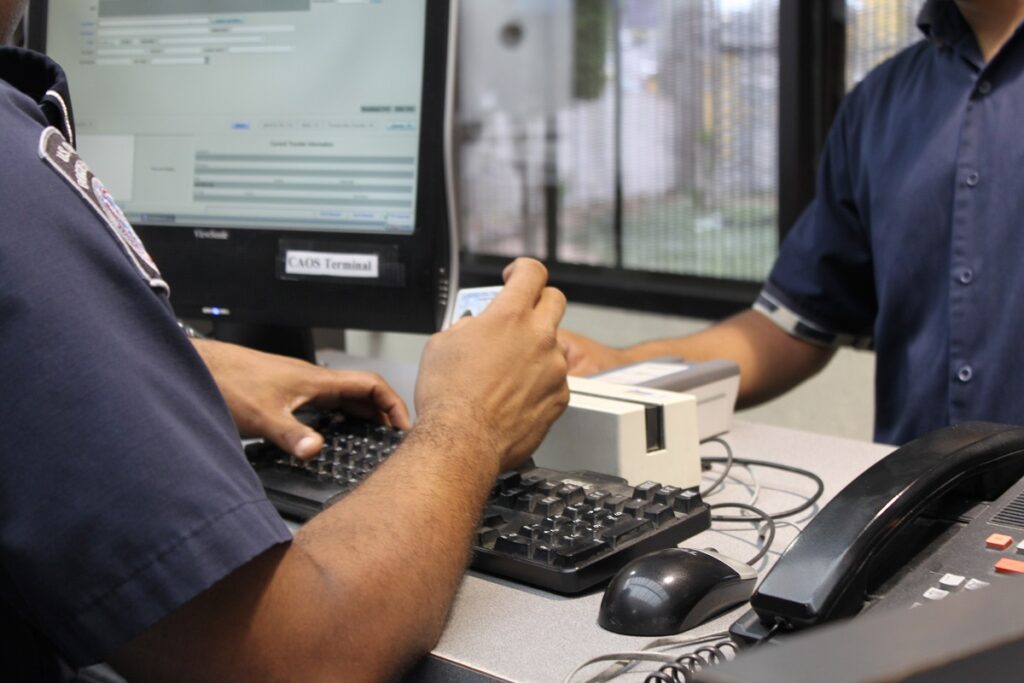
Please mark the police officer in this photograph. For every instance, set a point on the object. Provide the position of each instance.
(132, 529)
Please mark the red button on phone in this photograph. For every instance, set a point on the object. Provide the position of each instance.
(1008, 566)
(998, 542)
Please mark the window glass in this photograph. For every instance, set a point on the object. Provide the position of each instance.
(876, 30)
(672, 102)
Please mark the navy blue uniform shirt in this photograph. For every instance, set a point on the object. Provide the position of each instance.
(915, 239)
(124, 491)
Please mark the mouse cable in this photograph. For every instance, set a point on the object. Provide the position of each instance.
(769, 522)
(819, 484)
(626, 660)
(728, 460)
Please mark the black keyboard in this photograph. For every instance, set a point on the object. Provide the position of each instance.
(563, 531)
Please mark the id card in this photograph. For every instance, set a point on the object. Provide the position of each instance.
(471, 301)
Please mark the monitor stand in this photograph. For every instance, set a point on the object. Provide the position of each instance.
(285, 340)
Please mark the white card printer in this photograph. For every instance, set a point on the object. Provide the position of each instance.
(713, 383)
(634, 432)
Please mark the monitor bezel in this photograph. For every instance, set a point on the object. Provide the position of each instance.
(239, 279)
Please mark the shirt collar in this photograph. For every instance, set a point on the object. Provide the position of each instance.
(40, 78)
(941, 22)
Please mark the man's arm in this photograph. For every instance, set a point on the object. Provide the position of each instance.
(365, 587)
(263, 390)
(771, 361)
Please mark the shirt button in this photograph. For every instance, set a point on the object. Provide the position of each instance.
(972, 178)
(965, 373)
(966, 276)
(984, 87)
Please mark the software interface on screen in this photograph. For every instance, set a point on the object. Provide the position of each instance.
(278, 114)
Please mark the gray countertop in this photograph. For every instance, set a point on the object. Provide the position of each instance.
(513, 632)
(506, 631)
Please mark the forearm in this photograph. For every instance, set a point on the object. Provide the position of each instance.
(361, 592)
(403, 535)
(771, 361)
(365, 587)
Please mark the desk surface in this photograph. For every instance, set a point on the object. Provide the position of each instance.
(512, 632)
(506, 631)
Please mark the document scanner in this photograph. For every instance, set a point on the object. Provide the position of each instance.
(634, 432)
(714, 383)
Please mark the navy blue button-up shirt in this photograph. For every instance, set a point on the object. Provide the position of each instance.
(914, 242)
(125, 492)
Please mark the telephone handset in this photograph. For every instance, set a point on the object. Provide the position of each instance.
(879, 522)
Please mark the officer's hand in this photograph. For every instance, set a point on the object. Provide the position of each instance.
(262, 391)
(499, 378)
(586, 356)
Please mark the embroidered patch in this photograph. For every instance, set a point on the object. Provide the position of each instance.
(55, 150)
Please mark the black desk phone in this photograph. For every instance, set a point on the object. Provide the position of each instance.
(933, 517)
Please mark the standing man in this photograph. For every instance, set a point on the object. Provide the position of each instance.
(132, 529)
(911, 246)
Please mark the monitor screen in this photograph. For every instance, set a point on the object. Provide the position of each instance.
(283, 160)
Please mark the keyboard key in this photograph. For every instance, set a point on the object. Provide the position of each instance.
(508, 480)
(549, 506)
(493, 519)
(528, 502)
(547, 487)
(561, 523)
(625, 530)
(666, 495)
(570, 493)
(686, 502)
(544, 553)
(615, 503)
(580, 529)
(579, 553)
(645, 491)
(635, 508)
(577, 512)
(659, 513)
(513, 544)
(531, 482)
(486, 536)
(531, 531)
(508, 497)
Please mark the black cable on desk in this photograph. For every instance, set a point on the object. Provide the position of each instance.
(729, 461)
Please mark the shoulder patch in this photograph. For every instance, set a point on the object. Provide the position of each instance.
(56, 151)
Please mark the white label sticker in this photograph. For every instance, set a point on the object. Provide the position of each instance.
(331, 265)
(643, 372)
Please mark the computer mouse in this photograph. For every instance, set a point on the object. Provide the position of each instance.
(672, 590)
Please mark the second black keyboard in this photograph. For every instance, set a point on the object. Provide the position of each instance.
(563, 531)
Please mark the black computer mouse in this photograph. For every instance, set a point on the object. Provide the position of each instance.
(672, 590)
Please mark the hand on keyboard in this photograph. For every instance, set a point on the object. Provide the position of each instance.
(262, 390)
(566, 531)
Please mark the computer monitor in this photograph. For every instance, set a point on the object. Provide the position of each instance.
(284, 161)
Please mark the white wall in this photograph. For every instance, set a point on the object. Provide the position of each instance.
(838, 401)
